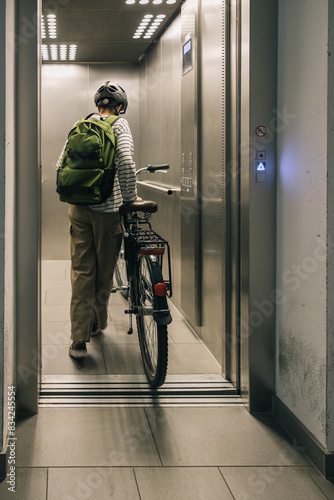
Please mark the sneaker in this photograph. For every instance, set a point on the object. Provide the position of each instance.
(78, 350)
(96, 330)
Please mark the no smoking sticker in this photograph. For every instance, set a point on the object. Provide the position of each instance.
(261, 131)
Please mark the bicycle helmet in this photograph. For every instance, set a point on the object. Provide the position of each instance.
(111, 94)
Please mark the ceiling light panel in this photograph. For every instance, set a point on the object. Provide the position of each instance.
(148, 25)
(49, 26)
(58, 53)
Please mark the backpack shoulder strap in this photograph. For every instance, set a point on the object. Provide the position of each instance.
(95, 116)
(112, 119)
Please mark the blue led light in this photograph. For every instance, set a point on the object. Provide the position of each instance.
(261, 166)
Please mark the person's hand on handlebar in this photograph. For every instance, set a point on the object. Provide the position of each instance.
(139, 198)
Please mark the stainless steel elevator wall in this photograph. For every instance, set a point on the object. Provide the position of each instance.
(213, 177)
(160, 131)
(67, 96)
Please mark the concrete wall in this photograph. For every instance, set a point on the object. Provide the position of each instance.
(67, 95)
(330, 233)
(2, 209)
(302, 211)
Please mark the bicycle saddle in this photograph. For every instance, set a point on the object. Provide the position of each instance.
(138, 206)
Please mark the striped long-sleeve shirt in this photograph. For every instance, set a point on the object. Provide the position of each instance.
(125, 189)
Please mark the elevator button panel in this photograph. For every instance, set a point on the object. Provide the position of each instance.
(261, 166)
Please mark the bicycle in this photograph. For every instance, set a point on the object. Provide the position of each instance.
(138, 274)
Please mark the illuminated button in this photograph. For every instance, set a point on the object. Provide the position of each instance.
(261, 166)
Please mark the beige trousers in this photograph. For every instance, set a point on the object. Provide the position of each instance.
(96, 239)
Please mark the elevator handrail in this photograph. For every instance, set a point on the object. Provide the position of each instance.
(168, 190)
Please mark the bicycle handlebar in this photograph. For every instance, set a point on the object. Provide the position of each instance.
(152, 168)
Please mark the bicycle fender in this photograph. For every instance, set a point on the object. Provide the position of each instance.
(162, 317)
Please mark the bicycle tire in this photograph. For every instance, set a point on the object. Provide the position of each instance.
(152, 336)
(120, 272)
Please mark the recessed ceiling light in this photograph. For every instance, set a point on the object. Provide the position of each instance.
(143, 2)
(136, 36)
(156, 2)
(171, 1)
(129, 2)
(161, 16)
(148, 16)
(147, 36)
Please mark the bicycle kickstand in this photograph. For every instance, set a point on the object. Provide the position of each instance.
(130, 331)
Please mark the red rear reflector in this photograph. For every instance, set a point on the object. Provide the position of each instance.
(152, 251)
(160, 289)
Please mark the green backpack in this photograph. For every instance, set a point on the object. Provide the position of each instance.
(86, 174)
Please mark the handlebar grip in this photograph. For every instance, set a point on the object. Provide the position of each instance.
(153, 168)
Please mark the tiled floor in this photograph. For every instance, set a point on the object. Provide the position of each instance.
(113, 352)
(136, 453)
(159, 454)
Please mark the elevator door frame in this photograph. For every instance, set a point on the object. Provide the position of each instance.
(257, 379)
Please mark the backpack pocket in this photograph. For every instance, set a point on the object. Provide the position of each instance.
(85, 150)
(80, 187)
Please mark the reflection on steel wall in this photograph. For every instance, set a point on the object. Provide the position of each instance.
(160, 130)
(67, 96)
(212, 186)
(190, 213)
(170, 105)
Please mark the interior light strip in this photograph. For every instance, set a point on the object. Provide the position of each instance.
(56, 52)
(148, 26)
(51, 31)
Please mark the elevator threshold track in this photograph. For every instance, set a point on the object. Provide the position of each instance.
(127, 390)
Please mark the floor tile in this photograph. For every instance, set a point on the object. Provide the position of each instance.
(55, 269)
(58, 297)
(181, 483)
(116, 333)
(191, 358)
(180, 333)
(176, 315)
(30, 484)
(271, 483)
(57, 361)
(116, 313)
(326, 486)
(56, 312)
(56, 284)
(92, 483)
(123, 359)
(80, 437)
(220, 436)
(56, 332)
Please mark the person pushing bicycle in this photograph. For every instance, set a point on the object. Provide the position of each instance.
(96, 230)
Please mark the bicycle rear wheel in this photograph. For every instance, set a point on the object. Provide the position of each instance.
(120, 272)
(152, 335)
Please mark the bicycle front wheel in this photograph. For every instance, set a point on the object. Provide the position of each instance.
(152, 335)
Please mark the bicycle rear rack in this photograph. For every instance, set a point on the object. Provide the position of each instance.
(147, 238)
